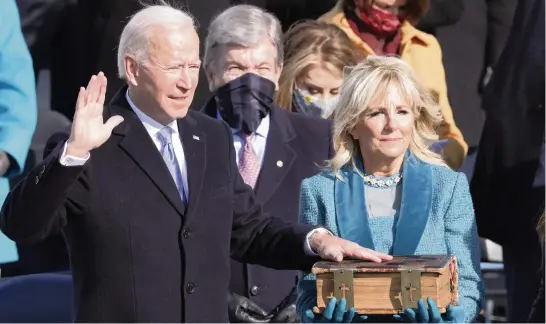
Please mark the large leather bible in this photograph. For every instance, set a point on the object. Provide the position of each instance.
(389, 287)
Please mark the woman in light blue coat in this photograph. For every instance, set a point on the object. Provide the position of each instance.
(18, 111)
(387, 191)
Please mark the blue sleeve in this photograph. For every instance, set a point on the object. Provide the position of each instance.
(462, 241)
(307, 289)
(18, 107)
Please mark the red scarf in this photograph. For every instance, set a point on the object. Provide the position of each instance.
(372, 25)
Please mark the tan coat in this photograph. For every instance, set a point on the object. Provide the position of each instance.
(422, 52)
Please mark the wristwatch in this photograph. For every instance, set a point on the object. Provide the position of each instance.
(313, 233)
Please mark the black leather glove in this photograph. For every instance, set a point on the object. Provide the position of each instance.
(244, 310)
(286, 311)
(286, 315)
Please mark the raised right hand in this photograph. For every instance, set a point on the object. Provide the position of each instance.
(89, 130)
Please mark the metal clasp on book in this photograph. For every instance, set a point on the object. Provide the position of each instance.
(344, 287)
(410, 288)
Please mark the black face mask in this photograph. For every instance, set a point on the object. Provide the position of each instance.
(244, 101)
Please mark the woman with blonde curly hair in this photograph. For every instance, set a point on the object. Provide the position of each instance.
(315, 55)
(387, 191)
(386, 27)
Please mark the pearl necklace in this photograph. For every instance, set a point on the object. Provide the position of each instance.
(376, 182)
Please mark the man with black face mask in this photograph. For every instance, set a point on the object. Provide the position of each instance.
(275, 149)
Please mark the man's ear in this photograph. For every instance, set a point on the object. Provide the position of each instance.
(131, 69)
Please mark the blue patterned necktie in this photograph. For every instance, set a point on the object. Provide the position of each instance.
(167, 151)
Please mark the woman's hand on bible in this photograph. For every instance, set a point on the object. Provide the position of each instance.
(453, 314)
(333, 313)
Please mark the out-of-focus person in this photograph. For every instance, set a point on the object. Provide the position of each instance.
(387, 191)
(275, 149)
(508, 182)
(316, 54)
(386, 27)
(291, 11)
(470, 51)
(441, 13)
(18, 108)
(61, 38)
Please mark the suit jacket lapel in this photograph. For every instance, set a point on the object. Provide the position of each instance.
(193, 141)
(136, 142)
(279, 156)
(351, 211)
(415, 206)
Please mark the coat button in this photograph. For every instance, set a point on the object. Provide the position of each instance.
(255, 291)
(186, 233)
(190, 288)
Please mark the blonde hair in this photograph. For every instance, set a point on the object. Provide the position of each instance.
(360, 86)
(310, 43)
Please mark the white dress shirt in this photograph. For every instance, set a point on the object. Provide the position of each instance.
(153, 128)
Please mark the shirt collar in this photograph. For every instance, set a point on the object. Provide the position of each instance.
(152, 126)
(262, 130)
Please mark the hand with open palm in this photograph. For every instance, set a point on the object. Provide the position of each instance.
(89, 131)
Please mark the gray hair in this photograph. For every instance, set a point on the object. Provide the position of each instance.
(135, 40)
(243, 25)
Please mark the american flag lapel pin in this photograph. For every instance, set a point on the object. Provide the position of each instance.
(195, 137)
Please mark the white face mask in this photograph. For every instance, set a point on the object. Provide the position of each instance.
(308, 104)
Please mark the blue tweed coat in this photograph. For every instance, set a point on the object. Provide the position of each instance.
(18, 107)
(436, 217)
